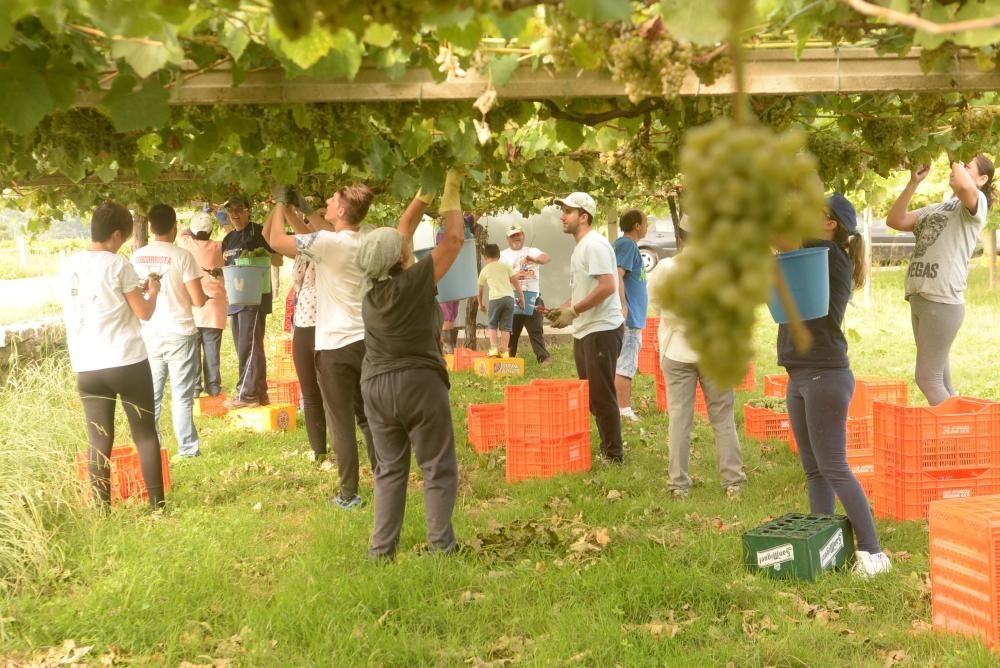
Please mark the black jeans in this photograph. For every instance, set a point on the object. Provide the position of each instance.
(536, 334)
(304, 358)
(596, 356)
(248, 335)
(99, 392)
(817, 409)
(339, 375)
(210, 362)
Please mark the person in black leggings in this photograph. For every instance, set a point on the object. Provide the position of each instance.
(103, 301)
(820, 386)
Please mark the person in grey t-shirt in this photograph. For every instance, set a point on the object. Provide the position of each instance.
(935, 281)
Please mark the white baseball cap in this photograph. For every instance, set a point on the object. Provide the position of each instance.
(579, 201)
(201, 222)
(514, 229)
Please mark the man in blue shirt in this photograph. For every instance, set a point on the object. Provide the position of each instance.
(632, 292)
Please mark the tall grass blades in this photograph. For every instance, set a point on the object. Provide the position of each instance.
(40, 427)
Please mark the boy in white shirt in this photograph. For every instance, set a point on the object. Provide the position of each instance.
(170, 335)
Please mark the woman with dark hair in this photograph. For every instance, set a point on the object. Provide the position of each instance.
(103, 301)
(821, 384)
(946, 236)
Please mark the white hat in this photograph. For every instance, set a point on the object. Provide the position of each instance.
(579, 201)
(514, 229)
(201, 222)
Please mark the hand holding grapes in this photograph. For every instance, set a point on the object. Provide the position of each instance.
(919, 174)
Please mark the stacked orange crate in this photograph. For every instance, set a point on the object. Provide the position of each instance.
(765, 424)
(285, 392)
(776, 385)
(926, 453)
(486, 423)
(965, 567)
(126, 472)
(649, 352)
(464, 358)
(547, 428)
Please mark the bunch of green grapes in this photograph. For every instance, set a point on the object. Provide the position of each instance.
(644, 163)
(776, 111)
(653, 67)
(842, 164)
(710, 71)
(974, 123)
(745, 187)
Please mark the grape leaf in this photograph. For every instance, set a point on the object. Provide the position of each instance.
(136, 110)
(379, 34)
(234, 38)
(342, 61)
(308, 49)
(698, 22)
(22, 112)
(145, 57)
(502, 68)
(601, 10)
(148, 170)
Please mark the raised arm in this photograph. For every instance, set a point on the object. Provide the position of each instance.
(275, 235)
(899, 216)
(963, 186)
(444, 253)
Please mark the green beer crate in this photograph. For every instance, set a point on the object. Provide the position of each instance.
(799, 546)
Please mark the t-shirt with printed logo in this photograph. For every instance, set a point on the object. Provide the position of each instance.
(176, 267)
(946, 236)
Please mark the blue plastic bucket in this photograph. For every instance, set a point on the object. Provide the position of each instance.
(462, 280)
(807, 275)
(529, 303)
(244, 284)
(258, 262)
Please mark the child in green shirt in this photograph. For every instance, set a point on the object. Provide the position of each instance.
(502, 284)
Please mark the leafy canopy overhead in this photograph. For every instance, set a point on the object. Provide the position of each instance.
(131, 55)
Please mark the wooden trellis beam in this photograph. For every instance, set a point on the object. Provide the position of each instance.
(769, 72)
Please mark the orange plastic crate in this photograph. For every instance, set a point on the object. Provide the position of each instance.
(649, 351)
(965, 567)
(776, 385)
(863, 467)
(868, 390)
(906, 496)
(280, 346)
(206, 405)
(126, 472)
(287, 392)
(283, 367)
(464, 357)
(961, 433)
(546, 409)
(764, 424)
(487, 423)
(548, 457)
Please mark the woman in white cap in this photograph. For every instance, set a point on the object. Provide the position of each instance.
(404, 380)
(210, 319)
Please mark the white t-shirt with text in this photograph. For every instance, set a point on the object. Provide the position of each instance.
(515, 259)
(593, 257)
(338, 286)
(176, 266)
(102, 332)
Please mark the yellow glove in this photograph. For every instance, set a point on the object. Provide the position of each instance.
(561, 317)
(426, 198)
(451, 198)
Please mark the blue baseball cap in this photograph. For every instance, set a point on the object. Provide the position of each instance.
(844, 212)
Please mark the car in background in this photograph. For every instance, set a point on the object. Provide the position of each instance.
(658, 243)
(890, 246)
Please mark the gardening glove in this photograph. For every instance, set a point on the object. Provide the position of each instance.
(304, 206)
(451, 198)
(561, 317)
(281, 194)
(426, 198)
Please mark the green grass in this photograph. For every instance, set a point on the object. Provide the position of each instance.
(288, 582)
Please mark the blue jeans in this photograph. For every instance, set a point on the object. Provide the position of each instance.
(176, 355)
(209, 362)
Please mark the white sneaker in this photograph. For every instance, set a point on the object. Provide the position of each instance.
(867, 565)
(629, 414)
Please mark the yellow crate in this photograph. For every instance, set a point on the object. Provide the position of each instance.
(449, 361)
(492, 367)
(266, 418)
(206, 405)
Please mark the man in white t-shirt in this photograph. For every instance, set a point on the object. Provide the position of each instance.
(340, 331)
(595, 312)
(170, 335)
(526, 262)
